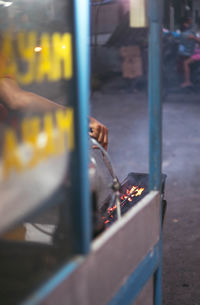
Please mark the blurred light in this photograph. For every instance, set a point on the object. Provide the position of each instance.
(5, 3)
(138, 13)
(64, 47)
(42, 140)
(38, 49)
(187, 8)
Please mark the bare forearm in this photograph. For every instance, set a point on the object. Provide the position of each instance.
(14, 98)
(35, 103)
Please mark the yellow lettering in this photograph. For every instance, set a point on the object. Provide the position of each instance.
(26, 45)
(53, 61)
(62, 57)
(65, 123)
(50, 148)
(30, 132)
(10, 158)
(50, 141)
(7, 55)
(44, 59)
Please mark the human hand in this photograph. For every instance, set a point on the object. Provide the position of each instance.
(99, 132)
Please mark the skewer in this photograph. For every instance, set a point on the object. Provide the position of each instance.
(118, 205)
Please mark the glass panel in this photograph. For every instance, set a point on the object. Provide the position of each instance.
(37, 131)
(37, 97)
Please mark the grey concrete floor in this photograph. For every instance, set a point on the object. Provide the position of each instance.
(126, 115)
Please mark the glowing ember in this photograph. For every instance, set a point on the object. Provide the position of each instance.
(129, 195)
(110, 210)
(135, 191)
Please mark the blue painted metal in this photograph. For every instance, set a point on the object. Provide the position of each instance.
(155, 11)
(56, 280)
(133, 286)
(151, 264)
(155, 83)
(158, 284)
(82, 204)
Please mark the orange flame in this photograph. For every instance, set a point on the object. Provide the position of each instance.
(134, 191)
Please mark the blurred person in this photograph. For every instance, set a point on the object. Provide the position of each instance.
(131, 65)
(192, 59)
(13, 98)
(186, 45)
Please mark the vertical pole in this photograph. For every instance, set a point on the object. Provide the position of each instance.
(83, 213)
(155, 118)
(154, 79)
(158, 285)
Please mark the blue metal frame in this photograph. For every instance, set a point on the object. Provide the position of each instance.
(155, 11)
(82, 207)
(151, 265)
(155, 81)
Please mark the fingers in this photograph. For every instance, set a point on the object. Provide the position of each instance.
(105, 139)
(99, 132)
(100, 138)
(99, 135)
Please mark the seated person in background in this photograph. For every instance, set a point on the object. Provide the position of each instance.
(12, 97)
(186, 45)
(194, 58)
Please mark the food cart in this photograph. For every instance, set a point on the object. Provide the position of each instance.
(44, 173)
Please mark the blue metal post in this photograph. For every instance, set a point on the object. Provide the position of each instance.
(155, 118)
(155, 82)
(83, 214)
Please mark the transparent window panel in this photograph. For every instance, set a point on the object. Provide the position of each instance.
(37, 142)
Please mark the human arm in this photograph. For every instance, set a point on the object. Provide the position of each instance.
(193, 37)
(16, 99)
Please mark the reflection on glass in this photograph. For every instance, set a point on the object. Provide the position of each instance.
(37, 140)
(36, 66)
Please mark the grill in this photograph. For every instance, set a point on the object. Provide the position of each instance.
(133, 188)
(124, 195)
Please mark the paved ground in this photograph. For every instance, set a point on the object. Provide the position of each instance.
(126, 115)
